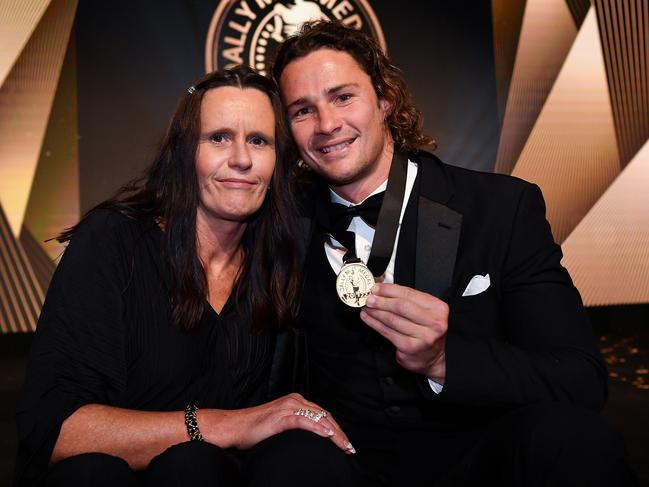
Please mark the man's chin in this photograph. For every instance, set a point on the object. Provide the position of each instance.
(335, 173)
(338, 180)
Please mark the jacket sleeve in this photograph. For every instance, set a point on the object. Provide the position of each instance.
(542, 347)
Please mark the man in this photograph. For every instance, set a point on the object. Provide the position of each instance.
(472, 360)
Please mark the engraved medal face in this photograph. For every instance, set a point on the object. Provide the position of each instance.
(354, 283)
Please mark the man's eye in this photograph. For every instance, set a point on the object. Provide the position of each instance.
(302, 112)
(344, 97)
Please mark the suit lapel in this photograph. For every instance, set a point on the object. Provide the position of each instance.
(438, 231)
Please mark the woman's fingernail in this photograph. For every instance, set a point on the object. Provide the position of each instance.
(349, 447)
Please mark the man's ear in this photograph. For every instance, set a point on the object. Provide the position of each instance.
(385, 107)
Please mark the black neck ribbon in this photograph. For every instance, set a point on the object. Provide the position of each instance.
(387, 223)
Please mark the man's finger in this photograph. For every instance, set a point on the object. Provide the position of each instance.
(421, 298)
(390, 290)
(407, 337)
(386, 331)
(404, 308)
(393, 322)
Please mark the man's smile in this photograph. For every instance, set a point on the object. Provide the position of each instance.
(338, 146)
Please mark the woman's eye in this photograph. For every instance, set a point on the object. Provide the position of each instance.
(218, 138)
(256, 140)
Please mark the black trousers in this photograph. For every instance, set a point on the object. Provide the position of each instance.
(295, 457)
(538, 445)
(190, 463)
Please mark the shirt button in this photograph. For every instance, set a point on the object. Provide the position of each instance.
(368, 248)
(394, 409)
(389, 381)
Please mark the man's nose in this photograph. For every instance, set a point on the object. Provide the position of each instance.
(328, 120)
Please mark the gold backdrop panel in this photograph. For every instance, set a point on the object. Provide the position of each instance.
(572, 150)
(608, 252)
(18, 19)
(546, 36)
(624, 28)
(54, 196)
(25, 102)
(507, 18)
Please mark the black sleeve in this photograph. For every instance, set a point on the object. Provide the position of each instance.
(78, 353)
(547, 351)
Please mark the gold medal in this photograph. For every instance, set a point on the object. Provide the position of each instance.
(354, 283)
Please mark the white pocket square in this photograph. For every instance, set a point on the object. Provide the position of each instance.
(478, 284)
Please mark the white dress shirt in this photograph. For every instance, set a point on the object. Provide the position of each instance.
(365, 235)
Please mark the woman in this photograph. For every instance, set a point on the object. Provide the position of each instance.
(160, 320)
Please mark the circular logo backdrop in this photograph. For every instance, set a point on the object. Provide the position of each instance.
(249, 31)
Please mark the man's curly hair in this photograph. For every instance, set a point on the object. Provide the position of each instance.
(404, 119)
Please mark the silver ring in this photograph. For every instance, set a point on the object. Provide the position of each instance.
(311, 414)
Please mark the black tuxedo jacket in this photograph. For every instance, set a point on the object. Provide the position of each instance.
(526, 338)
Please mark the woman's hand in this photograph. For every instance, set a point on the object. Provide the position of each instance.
(138, 436)
(244, 428)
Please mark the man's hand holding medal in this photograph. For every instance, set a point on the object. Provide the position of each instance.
(415, 322)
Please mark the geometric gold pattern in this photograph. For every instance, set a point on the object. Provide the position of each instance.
(37, 105)
(18, 19)
(624, 30)
(608, 253)
(572, 151)
(25, 101)
(54, 196)
(507, 17)
(21, 296)
(574, 128)
(41, 263)
(578, 9)
(546, 36)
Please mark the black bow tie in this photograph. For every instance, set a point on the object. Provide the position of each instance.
(340, 216)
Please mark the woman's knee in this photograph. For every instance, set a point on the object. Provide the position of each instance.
(193, 463)
(91, 469)
(289, 458)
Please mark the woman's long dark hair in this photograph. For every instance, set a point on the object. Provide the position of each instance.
(168, 192)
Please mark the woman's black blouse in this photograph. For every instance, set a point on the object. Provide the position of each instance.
(104, 337)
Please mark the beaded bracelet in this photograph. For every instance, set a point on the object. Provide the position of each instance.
(192, 423)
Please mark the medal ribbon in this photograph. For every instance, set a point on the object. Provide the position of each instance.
(387, 225)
